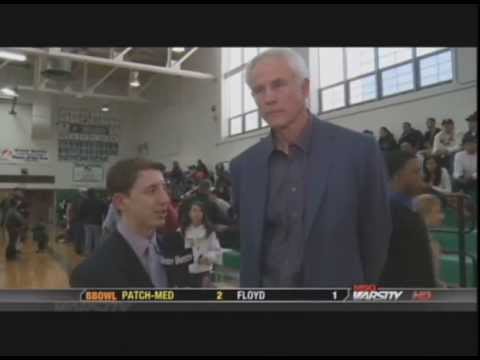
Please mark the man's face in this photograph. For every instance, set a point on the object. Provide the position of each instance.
(470, 147)
(406, 126)
(407, 147)
(449, 128)
(196, 215)
(410, 177)
(279, 94)
(430, 124)
(147, 202)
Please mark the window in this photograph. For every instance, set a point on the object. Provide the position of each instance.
(436, 69)
(236, 126)
(241, 109)
(397, 79)
(392, 56)
(426, 50)
(334, 97)
(363, 89)
(331, 66)
(360, 61)
(354, 75)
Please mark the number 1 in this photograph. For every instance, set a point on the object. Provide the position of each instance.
(334, 295)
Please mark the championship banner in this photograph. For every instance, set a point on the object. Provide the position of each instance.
(84, 135)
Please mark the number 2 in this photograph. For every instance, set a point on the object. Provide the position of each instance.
(219, 295)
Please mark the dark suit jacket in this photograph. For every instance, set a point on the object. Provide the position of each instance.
(113, 265)
(347, 218)
(409, 262)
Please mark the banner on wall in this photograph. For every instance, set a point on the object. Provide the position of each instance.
(15, 155)
(87, 136)
(87, 173)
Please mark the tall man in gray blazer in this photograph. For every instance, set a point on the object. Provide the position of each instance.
(311, 197)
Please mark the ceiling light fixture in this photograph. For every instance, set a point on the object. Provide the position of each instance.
(9, 92)
(105, 108)
(178, 49)
(134, 82)
(8, 55)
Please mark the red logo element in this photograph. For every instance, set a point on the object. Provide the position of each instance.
(422, 295)
(7, 154)
(365, 287)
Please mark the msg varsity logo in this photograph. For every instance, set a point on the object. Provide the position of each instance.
(371, 293)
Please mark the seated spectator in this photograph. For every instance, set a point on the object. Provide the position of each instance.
(224, 183)
(446, 143)
(368, 132)
(409, 259)
(386, 140)
(465, 166)
(472, 126)
(171, 221)
(203, 194)
(436, 176)
(409, 146)
(429, 135)
(430, 209)
(202, 172)
(411, 135)
(199, 235)
(176, 175)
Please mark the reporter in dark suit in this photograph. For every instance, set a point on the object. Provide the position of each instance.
(130, 256)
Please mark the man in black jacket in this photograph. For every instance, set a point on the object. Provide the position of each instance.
(131, 255)
(411, 135)
(430, 134)
(91, 211)
(409, 262)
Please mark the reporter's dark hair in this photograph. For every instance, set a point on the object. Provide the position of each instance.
(123, 174)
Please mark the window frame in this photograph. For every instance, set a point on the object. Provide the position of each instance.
(377, 72)
(240, 69)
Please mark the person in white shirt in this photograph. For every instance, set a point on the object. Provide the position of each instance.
(435, 176)
(199, 235)
(465, 166)
(446, 143)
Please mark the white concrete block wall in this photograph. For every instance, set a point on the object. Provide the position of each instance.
(16, 131)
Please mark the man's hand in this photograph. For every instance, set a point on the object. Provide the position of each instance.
(203, 260)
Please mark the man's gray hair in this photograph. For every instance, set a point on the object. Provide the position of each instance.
(294, 59)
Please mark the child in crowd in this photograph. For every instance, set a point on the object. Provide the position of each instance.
(199, 235)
